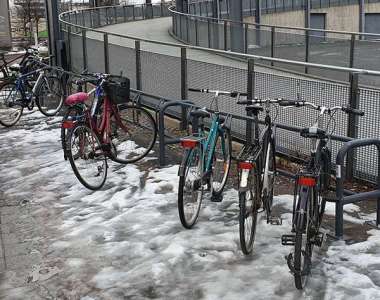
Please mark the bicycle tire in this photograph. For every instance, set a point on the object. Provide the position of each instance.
(267, 196)
(193, 159)
(9, 93)
(87, 140)
(52, 99)
(218, 185)
(247, 238)
(301, 251)
(70, 112)
(133, 134)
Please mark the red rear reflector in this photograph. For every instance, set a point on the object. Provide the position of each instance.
(307, 181)
(244, 165)
(67, 124)
(189, 144)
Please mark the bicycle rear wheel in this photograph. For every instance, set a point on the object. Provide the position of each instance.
(87, 157)
(222, 162)
(50, 96)
(249, 204)
(190, 189)
(10, 104)
(133, 134)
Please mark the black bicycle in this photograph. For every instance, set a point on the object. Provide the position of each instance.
(256, 171)
(312, 183)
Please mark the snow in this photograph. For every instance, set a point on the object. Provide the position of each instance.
(126, 240)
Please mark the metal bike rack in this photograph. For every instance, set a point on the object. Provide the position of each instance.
(163, 141)
(341, 199)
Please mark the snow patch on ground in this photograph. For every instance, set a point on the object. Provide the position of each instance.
(126, 240)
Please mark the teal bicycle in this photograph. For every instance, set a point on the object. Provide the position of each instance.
(206, 161)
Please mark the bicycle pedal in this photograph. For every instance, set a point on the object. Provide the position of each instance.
(288, 240)
(275, 220)
(318, 239)
(216, 198)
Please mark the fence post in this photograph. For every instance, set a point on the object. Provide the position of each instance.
(138, 66)
(124, 13)
(250, 96)
(196, 33)
(133, 13)
(99, 20)
(69, 46)
(184, 87)
(246, 38)
(352, 51)
(225, 35)
(83, 20)
(115, 14)
(352, 125)
(106, 54)
(187, 29)
(106, 15)
(84, 49)
(209, 33)
(272, 44)
(307, 50)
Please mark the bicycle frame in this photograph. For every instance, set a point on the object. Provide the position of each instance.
(104, 128)
(210, 143)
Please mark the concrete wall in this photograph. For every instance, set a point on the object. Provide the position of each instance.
(5, 30)
(341, 18)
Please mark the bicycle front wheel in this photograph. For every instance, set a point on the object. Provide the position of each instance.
(87, 157)
(249, 204)
(50, 96)
(268, 179)
(133, 134)
(222, 162)
(10, 104)
(190, 189)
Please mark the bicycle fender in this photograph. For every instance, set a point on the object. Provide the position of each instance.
(182, 167)
(243, 184)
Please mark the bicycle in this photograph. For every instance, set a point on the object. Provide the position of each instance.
(105, 130)
(45, 92)
(9, 72)
(256, 172)
(312, 183)
(206, 161)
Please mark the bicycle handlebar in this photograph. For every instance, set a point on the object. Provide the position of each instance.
(233, 94)
(347, 110)
(258, 101)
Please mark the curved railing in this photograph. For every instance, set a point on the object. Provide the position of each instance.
(164, 70)
(328, 47)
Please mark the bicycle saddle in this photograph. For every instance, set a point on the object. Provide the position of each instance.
(15, 68)
(200, 113)
(254, 108)
(313, 132)
(76, 98)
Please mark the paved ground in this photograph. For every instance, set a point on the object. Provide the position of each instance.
(61, 241)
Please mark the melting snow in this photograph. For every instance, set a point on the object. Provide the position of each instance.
(126, 240)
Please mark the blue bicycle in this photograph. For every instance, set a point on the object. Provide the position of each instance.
(206, 161)
(46, 92)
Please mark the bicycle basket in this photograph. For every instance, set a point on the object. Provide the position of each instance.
(117, 89)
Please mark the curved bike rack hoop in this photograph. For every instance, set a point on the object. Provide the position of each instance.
(341, 199)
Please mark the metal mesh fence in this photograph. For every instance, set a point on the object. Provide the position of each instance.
(161, 76)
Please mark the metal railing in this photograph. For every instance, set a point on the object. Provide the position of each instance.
(166, 70)
(339, 48)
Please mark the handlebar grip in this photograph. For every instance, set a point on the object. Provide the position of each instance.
(353, 111)
(235, 94)
(289, 103)
(244, 102)
(195, 90)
